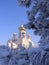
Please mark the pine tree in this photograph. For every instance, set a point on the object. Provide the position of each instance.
(38, 17)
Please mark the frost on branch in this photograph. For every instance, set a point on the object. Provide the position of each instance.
(25, 2)
(38, 17)
(39, 21)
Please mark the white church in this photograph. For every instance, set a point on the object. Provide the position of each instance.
(22, 40)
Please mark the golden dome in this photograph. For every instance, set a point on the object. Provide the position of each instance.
(22, 28)
(14, 34)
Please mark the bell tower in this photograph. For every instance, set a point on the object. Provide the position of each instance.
(22, 31)
(14, 38)
(22, 37)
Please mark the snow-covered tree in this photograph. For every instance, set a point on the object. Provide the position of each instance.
(38, 17)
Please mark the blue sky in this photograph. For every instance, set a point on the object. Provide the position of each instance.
(11, 17)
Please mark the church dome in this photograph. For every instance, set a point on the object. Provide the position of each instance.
(22, 28)
(14, 34)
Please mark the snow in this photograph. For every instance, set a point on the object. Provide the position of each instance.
(31, 56)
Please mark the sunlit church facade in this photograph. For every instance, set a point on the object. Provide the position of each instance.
(22, 40)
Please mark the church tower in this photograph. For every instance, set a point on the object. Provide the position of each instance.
(21, 31)
(22, 37)
(31, 43)
(12, 43)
